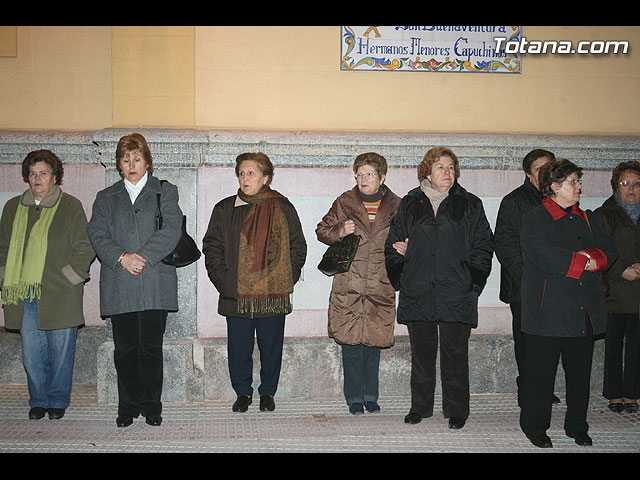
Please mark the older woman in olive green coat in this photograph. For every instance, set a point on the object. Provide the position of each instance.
(45, 256)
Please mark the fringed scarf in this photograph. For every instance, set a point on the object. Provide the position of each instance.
(23, 272)
(265, 279)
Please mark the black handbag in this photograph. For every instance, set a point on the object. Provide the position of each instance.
(338, 257)
(186, 252)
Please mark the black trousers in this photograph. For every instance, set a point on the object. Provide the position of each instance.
(541, 363)
(240, 343)
(138, 359)
(518, 343)
(622, 357)
(454, 367)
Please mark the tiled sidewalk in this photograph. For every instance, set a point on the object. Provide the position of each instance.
(298, 425)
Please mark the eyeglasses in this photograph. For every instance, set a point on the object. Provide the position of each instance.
(628, 184)
(365, 176)
(575, 182)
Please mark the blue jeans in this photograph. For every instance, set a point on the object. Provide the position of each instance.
(48, 357)
(360, 364)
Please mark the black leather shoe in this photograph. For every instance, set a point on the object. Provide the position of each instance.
(124, 421)
(581, 438)
(242, 403)
(456, 423)
(36, 412)
(153, 419)
(631, 407)
(616, 407)
(413, 418)
(56, 413)
(540, 440)
(372, 407)
(267, 403)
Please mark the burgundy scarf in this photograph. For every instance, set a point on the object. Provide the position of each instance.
(265, 278)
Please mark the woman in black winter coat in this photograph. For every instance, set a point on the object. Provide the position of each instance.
(563, 304)
(438, 255)
(619, 216)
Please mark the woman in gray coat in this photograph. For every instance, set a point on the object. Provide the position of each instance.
(136, 288)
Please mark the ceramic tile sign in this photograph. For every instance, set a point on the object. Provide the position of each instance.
(452, 49)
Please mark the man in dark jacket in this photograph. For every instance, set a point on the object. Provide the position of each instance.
(507, 245)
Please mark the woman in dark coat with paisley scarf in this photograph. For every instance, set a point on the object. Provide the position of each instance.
(254, 252)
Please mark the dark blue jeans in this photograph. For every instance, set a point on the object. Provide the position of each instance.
(48, 357)
(360, 364)
(240, 342)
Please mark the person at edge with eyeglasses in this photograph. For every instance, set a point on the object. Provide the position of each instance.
(619, 215)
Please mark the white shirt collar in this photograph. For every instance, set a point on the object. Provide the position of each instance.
(134, 190)
(239, 202)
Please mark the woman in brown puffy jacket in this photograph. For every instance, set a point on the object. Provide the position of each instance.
(362, 300)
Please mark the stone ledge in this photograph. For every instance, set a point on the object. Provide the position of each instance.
(190, 148)
(196, 370)
(312, 368)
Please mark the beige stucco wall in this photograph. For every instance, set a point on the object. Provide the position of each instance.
(288, 78)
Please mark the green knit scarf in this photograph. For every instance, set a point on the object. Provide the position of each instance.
(23, 276)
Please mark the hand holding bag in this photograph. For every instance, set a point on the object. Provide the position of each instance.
(186, 252)
(338, 257)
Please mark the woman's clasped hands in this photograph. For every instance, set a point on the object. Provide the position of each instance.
(133, 263)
